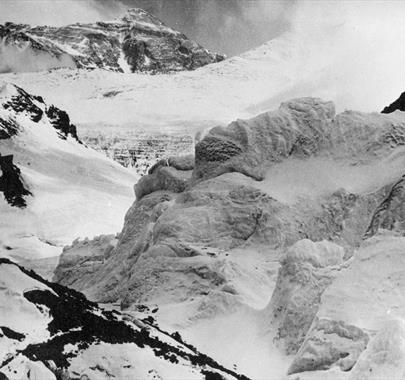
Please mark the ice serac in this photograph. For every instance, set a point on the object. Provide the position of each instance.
(88, 256)
(299, 128)
(71, 337)
(356, 305)
(136, 42)
(384, 356)
(307, 269)
(330, 185)
(54, 179)
(179, 224)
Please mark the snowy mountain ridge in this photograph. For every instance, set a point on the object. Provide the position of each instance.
(136, 42)
(42, 154)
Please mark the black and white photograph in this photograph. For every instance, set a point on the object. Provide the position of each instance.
(202, 190)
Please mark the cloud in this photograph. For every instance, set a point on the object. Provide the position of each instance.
(58, 12)
(23, 59)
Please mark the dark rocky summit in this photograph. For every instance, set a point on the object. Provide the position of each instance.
(136, 42)
(398, 104)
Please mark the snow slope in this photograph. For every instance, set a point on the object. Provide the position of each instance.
(76, 192)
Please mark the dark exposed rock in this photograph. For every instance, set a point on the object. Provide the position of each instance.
(138, 38)
(11, 183)
(398, 104)
(8, 128)
(61, 122)
(22, 102)
(11, 334)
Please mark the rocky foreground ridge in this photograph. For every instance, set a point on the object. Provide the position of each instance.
(48, 331)
(333, 217)
(138, 42)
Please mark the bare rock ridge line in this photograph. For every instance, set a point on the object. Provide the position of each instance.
(73, 321)
(136, 42)
(398, 104)
(15, 100)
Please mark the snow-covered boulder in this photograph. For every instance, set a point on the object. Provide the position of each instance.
(136, 42)
(307, 269)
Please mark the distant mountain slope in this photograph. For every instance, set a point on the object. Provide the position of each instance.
(136, 42)
(55, 188)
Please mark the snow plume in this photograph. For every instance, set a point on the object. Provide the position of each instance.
(360, 46)
(23, 59)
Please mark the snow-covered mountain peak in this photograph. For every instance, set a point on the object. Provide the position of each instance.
(137, 16)
(136, 42)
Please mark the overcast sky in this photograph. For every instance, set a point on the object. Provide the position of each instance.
(226, 26)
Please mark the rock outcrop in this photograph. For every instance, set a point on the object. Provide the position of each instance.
(11, 183)
(14, 101)
(136, 42)
(398, 104)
